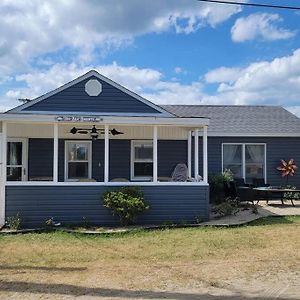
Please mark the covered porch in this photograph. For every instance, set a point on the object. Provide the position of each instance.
(55, 167)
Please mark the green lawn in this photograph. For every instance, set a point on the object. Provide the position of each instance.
(170, 259)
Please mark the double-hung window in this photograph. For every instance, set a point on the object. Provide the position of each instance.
(78, 160)
(141, 160)
(245, 160)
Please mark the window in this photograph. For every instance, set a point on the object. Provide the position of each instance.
(16, 160)
(245, 160)
(78, 160)
(141, 160)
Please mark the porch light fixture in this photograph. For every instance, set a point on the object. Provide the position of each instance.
(94, 131)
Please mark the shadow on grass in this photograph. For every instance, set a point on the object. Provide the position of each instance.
(76, 291)
(34, 268)
(272, 220)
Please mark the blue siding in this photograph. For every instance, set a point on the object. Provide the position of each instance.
(40, 154)
(277, 148)
(75, 99)
(70, 205)
(41, 157)
(169, 154)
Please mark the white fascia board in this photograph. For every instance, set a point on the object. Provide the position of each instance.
(109, 120)
(101, 77)
(251, 134)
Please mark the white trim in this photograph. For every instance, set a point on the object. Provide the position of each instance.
(24, 165)
(189, 152)
(101, 77)
(155, 153)
(55, 153)
(72, 183)
(196, 153)
(253, 134)
(106, 153)
(243, 157)
(89, 158)
(205, 156)
(109, 120)
(133, 160)
(3, 173)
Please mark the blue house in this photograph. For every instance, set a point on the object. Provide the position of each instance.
(62, 150)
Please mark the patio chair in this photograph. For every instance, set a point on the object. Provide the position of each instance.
(243, 193)
(259, 182)
(180, 173)
(240, 181)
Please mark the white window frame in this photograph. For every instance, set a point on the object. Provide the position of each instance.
(244, 159)
(89, 161)
(24, 165)
(132, 160)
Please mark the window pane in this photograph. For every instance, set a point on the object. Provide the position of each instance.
(14, 153)
(143, 152)
(78, 152)
(78, 170)
(232, 159)
(254, 153)
(14, 174)
(255, 158)
(254, 171)
(143, 169)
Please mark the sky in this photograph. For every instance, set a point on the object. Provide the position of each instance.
(168, 51)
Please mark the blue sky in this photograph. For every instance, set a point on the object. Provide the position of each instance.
(168, 51)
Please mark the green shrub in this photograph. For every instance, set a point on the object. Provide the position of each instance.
(226, 208)
(14, 222)
(126, 203)
(217, 187)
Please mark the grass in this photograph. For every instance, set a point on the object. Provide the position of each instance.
(158, 259)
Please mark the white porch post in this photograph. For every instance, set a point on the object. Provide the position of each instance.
(189, 152)
(55, 153)
(3, 173)
(205, 167)
(106, 153)
(154, 153)
(196, 160)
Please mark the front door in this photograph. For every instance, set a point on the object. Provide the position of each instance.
(16, 159)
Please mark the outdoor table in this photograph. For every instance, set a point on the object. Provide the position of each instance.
(276, 190)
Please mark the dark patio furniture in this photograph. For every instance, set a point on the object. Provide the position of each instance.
(259, 182)
(279, 191)
(243, 193)
(240, 182)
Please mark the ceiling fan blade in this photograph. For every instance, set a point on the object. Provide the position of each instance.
(114, 131)
(83, 131)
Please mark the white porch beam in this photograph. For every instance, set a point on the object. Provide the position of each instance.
(106, 153)
(154, 153)
(189, 152)
(205, 156)
(55, 153)
(3, 173)
(196, 160)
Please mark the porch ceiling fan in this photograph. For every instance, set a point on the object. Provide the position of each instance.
(94, 131)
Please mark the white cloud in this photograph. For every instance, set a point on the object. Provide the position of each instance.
(222, 74)
(144, 81)
(274, 82)
(30, 28)
(262, 26)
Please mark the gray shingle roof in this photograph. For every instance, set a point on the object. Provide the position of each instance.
(242, 120)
